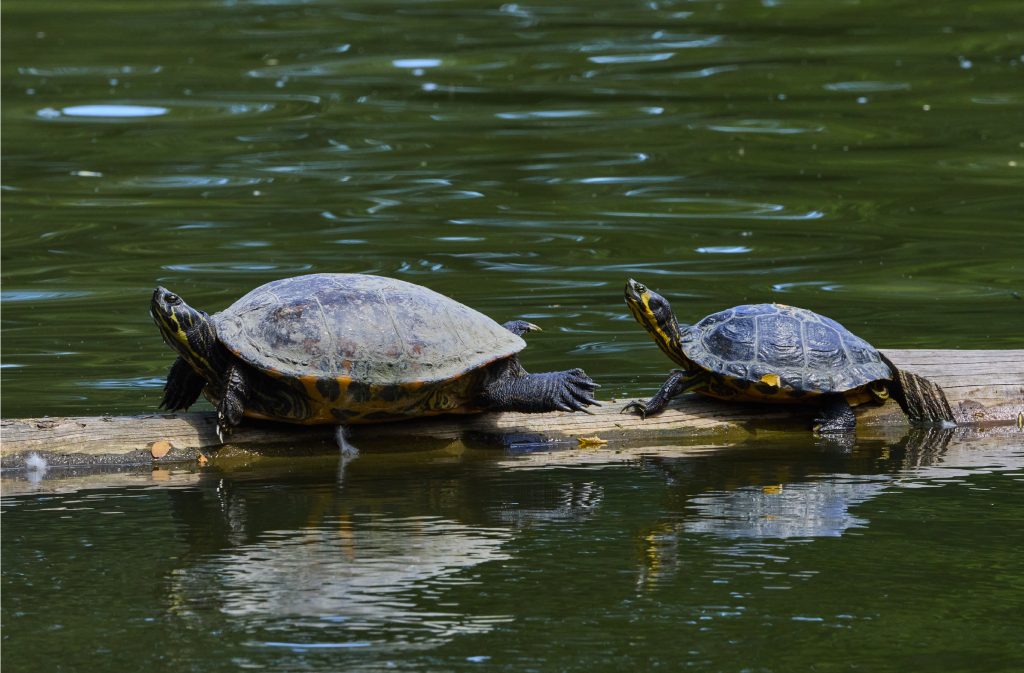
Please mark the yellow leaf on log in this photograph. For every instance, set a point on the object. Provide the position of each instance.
(160, 448)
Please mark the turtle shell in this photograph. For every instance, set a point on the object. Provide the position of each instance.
(808, 352)
(378, 331)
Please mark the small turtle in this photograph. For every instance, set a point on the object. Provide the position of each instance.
(352, 348)
(764, 353)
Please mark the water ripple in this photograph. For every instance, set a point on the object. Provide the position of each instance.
(773, 126)
(711, 208)
(632, 58)
(808, 284)
(123, 111)
(183, 182)
(185, 109)
(545, 114)
(724, 250)
(125, 384)
(85, 70)
(40, 295)
(867, 86)
(301, 647)
(234, 267)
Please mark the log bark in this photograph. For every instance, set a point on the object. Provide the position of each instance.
(982, 387)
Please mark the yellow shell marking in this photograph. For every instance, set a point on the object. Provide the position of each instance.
(771, 379)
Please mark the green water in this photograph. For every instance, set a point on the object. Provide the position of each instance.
(769, 557)
(862, 159)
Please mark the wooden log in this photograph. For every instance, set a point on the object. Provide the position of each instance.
(982, 387)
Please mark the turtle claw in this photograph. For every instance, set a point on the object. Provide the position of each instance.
(583, 397)
(578, 391)
(639, 407)
(223, 427)
(581, 401)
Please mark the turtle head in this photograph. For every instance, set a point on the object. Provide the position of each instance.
(189, 332)
(654, 313)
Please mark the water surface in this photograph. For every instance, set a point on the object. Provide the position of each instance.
(770, 556)
(860, 159)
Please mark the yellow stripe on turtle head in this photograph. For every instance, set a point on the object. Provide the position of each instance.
(173, 330)
(654, 328)
(638, 300)
(175, 319)
(654, 313)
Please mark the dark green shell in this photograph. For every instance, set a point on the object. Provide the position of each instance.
(808, 352)
(361, 328)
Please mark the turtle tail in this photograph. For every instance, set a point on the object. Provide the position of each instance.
(923, 401)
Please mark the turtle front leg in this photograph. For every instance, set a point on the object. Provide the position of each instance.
(676, 384)
(836, 416)
(231, 406)
(183, 386)
(512, 388)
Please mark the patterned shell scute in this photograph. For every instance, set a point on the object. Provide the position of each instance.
(808, 352)
(367, 328)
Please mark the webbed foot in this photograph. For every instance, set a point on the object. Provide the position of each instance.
(515, 390)
(572, 390)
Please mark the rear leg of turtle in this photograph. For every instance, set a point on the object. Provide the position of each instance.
(836, 416)
(676, 384)
(231, 406)
(512, 388)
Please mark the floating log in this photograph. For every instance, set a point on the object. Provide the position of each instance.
(981, 386)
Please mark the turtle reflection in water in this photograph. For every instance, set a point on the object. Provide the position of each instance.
(765, 353)
(352, 348)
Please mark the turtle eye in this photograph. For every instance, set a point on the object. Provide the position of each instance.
(172, 299)
(641, 288)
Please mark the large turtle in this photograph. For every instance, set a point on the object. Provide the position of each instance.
(352, 348)
(764, 353)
